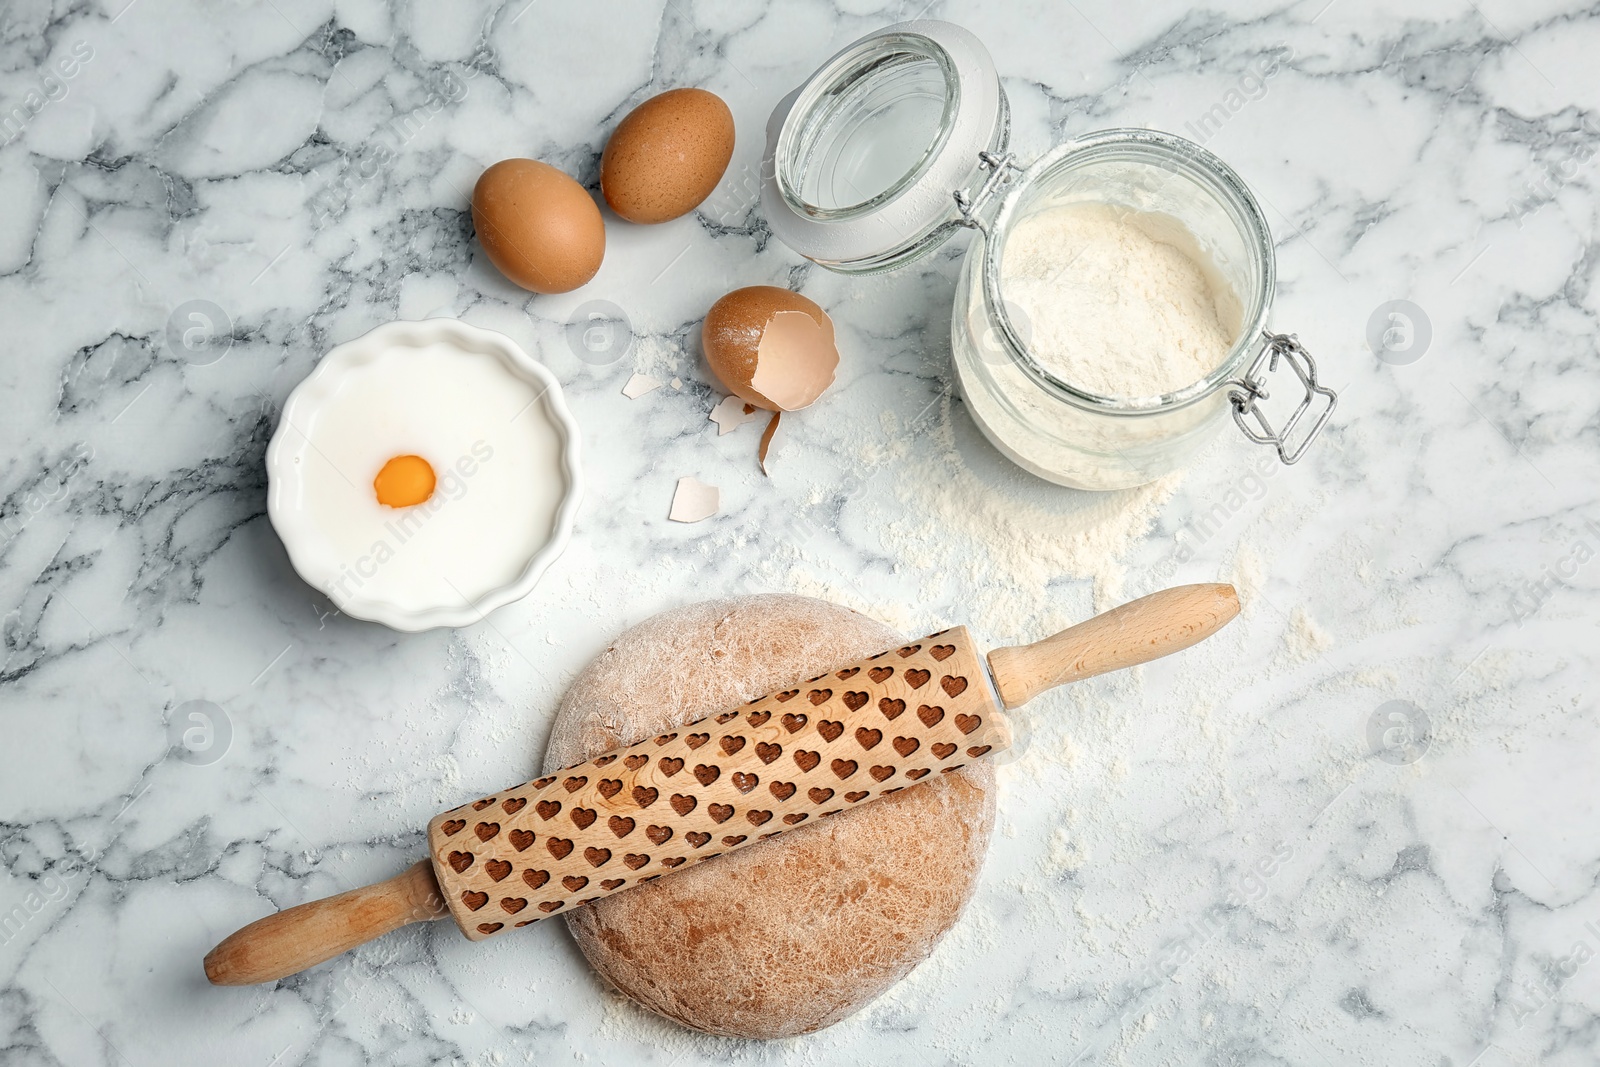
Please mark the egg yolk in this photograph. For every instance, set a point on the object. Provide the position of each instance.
(404, 482)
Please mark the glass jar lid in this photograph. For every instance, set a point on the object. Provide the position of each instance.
(863, 162)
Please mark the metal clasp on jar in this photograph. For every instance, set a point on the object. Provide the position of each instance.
(1252, 387)
(971, 205)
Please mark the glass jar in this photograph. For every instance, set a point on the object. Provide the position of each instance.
(899, 141)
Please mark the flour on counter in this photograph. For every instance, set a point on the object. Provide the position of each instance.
(1008, 548)
(1305, 639)
(1009, 555)
(1118, 302)
(1248, 575)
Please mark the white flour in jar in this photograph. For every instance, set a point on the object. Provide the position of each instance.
(1117, 302)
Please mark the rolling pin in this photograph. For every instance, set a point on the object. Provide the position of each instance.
(788, 759)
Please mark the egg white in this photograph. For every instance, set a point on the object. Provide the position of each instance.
(495, 452)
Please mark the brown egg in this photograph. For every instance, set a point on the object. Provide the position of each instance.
(667, 155)
(541, 228)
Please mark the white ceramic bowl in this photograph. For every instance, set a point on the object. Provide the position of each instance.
(309, 549)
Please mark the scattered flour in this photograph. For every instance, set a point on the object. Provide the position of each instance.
(1118, 302)
(1248, 575)
(1305, 639)
(1009, 560)
(1008, 551)
(655, 354)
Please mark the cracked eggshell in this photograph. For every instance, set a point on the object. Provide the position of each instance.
(770, 347)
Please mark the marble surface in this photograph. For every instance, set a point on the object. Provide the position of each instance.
(1257, 852)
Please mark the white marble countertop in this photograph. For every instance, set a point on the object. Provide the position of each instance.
(1215, 859)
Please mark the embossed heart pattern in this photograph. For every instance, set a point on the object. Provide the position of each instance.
(729, 781)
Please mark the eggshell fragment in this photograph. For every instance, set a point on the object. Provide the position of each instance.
(538, 226)
(732, 413)
(694, 500)
(639, 385)
(667, 155)
(766, 442)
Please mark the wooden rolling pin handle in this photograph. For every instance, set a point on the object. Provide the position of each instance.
(304, 936)
(1137, 632)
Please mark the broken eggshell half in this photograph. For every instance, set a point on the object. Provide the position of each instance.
(771, 348)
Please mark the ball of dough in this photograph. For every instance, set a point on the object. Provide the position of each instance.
(795, 933)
